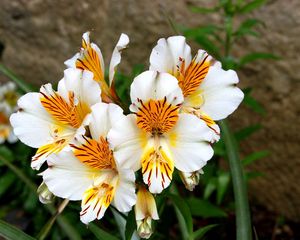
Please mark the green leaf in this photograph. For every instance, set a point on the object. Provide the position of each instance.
(210, 187)
(6, 181)
(21, 83)
(201, 31)
(205, 209)
(246, 132)
(100, 233)
(200, 233)
(251, 57)
(184, 215)
(243, 222)
(253, 174)
(204, 10)
(6, 153)
(10, 232)
(130, 225)
(255, 156)
(219, 148)
(208, 45)
(246, 28)
(223, 184)
(254, 104)
(248, 7)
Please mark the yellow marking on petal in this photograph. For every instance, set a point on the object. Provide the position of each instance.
(47, 149)
(156, 163)
(68, 113)
(95, 154)
(209, 121)
(97, 198)
(195, 99)
(90, 60)
(3, 119)
(190, 79)
(173, 139)
(4, 132)
(157, 116)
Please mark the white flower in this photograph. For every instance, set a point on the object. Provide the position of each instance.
(157, 137)
(8, 102)
(90, 58)
(209, 92)
(50, 120)
(190, 179)
(145, 211)
(90, 173)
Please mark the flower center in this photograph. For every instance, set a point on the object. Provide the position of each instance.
(189, 79)
(95, 154)
(157, 116)
(69, 113)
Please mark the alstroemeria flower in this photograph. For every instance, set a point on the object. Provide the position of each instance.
(90, 173)
(209, 92)
(145, 211)
(190, 179)
(157, 137)
(8, 103)
(90, 58)
(50, 120)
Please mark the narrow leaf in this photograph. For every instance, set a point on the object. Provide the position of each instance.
(184, 215)
(6, 181)
(205, 209)
(248, 7)
(200, 233)
(100, 233)
(254, 156)
(246, 132)
(130, 225)
(10, 232)
(256, 56)
(204, 10)
(223, 184)
(21, 83)
(254, 104)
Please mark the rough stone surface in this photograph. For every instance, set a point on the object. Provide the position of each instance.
(36, 36)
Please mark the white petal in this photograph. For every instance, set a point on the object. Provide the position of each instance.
(221, 96)
(153, 85)
(125, 196)
(126, 139)
(103, 116)
(71, 63)
(32, 124)
(166, 55)
(67, 177)
(116, 56)
(189, 141)
(82, 84)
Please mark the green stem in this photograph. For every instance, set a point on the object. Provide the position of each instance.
(21, 84)
(46, 229)
(243, 222)
(62, 221)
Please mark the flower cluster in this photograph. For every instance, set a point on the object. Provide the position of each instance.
(8, 103)
(93, 150)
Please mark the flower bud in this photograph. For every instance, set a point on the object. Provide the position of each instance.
(191, 179)
(145, 211)
(45, 196)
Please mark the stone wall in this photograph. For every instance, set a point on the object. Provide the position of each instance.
(36, 36)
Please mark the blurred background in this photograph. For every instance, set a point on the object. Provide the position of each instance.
(37, 36)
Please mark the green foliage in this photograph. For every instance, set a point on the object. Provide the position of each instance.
(204, 208)
(184, 215)
(101, 234)
(11, 233)
(200, 233)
